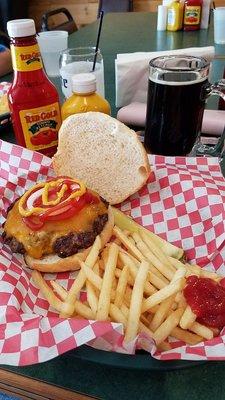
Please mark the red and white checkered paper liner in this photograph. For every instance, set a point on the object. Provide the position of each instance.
(182, 202)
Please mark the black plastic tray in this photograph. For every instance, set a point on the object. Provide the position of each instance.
(139, 361)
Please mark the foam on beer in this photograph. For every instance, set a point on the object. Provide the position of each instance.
(163, 81)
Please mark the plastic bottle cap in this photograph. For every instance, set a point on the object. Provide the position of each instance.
(84, 83)
(21, 27)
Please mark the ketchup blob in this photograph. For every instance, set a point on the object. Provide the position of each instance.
(207, 300)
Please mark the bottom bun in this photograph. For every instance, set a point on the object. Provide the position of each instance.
(53, 263)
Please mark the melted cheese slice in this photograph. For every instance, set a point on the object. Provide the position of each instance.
(39, 243)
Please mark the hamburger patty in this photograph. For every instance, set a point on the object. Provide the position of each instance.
(73, 242)
(66, 245)
(14, 245)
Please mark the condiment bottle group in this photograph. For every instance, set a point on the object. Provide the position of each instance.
(190, 15)
(33, 99)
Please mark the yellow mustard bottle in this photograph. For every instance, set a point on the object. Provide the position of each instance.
(84, 97)
(175, 16)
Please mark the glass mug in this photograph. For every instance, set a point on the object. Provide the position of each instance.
(80, 60)
(177, 91)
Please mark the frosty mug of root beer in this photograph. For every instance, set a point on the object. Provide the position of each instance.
(177, 91)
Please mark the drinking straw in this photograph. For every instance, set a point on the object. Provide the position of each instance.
(98, 38)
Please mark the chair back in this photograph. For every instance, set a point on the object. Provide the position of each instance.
(69, 25)
(4, 39)
(115, 6)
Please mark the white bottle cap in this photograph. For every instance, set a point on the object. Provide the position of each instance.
(21, 27)
(83, 83)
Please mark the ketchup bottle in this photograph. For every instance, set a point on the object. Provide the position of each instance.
(192, 15)
(33, 99)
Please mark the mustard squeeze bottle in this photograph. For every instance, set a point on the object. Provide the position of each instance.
(175, 16)
(84, 97)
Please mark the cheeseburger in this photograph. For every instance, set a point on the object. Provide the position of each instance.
(55, 222)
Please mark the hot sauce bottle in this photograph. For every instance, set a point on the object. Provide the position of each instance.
(33, 99)
(192, 14)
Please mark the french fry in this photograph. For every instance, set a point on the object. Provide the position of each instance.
(148, 248)
(101, 266)
(125, 310)
(165, 329)
(91, 276)
(96, 268)
(179, 274)
(136, 302)
(204, 273)
(117, 315)
(143, 328)
(158, 264)
(61, 291)
(176, 263)
(128, 243)
(161, 313)
(127, 296)
(155, 280)
(164, 346)
(130, 279)
(158, 273)
(81, 277)
(83, 310)
(80, 308)
(131, 240)
(105, 294)
(181, 301)
(188, 318)
(195, 270)
(148, 288)
(163, 294)
(185, 336)
(92, 297)
(114, 283)
(153, 310)
(201, 330)
(105, 255)
(215, 331)
(134, 259)
(121, 286)
(157, 251)
(144, 320)
(50, 296)
(154, 276)
(125, 222)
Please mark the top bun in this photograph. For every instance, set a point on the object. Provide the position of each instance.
(102, 152)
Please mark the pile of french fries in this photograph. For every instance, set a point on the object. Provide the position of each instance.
(137, 280)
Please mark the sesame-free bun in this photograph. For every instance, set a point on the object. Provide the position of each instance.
(53, 263)
(104, 153)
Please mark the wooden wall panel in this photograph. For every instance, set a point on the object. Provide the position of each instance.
(85, 11)
(146, 5)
